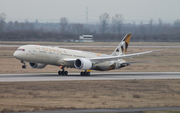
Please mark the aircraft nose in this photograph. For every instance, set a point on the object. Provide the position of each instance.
(15, 54)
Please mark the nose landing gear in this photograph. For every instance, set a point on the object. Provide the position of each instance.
(62, 72)
(23, 66)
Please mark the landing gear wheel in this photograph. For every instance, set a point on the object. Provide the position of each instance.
(62, 72)
(85, 73)
(65, 73)
(88, 73)
(24, 66)
(82, 73)
(59, 72)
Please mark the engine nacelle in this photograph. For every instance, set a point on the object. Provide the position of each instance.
(37, 65)
(83, 63)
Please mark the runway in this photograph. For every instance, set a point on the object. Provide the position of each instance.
(94, 76)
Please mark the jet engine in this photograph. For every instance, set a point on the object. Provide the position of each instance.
(37, 65)
(83, 64)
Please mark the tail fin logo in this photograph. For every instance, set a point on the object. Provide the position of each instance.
(117, 50)
(125, 43)
(123, 46)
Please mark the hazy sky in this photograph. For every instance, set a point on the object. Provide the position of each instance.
(75, 10)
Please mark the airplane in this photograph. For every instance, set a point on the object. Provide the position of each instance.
(41, 56)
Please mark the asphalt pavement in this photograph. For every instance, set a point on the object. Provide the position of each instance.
(93, 76)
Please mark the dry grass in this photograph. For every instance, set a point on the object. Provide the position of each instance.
(38, 96)
(163, 61)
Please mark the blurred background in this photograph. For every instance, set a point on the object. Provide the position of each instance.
(106, 20)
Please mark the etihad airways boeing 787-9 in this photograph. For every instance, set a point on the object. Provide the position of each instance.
(41, 56)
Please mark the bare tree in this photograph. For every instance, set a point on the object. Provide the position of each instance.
(134, 23)
(78, 28)
(2, 21)
(16, 26)
(177, 24)
(117, 22)
(160, 25)
(160, 22)
(104, 20)
(63, 24)
(9, 26)
(142, 28)
(151, 24)
(114, 28)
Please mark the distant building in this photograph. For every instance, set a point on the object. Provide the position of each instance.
(86, 38)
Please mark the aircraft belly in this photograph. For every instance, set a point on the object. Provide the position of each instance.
(105, 66)
(62, 62)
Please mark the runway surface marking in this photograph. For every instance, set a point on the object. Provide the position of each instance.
(94, 76)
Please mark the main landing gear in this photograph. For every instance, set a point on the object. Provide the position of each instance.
(23, 66)
(62, 72)
(85, 73)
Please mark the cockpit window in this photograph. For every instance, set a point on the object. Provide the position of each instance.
(20, 50)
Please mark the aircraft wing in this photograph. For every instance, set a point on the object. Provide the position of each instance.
(103, 59)
(97, 60)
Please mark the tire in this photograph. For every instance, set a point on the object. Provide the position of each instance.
(62, 72)
(24, 66)
(88, 73)
(59, 72)
(85, 73)
(81, 73)
(65, 73)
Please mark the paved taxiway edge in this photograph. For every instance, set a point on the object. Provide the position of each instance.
(94, 76)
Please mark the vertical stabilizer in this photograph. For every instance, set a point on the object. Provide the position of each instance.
(122, 47)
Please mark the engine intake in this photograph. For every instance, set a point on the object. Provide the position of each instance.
(83, 63)
(37, 65)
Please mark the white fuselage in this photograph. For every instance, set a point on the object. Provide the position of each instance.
(57, 56)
